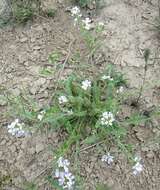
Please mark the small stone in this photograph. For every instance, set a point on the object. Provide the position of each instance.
(22, 58)
(11, 161)
(39, 148)
(35, 87)
(37, 47)
(110, 182)
(15, 91)
(12, 148)
(117, 168)
(43, 95)
(150, 154)
(88, 169)
(3, 142)
(40, 82)
(145, 149)
(24, 144)
(33, 90)
(26, 63)
(48, 4)
(31, 150)
(23, 39)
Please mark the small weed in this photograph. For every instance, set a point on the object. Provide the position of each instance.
(79, 106)
(50, 13)
(22, 15)
(22, 11)
(46, 72)
(25, 10)
(54, 57)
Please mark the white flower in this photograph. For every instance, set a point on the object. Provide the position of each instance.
(120, 90)
(107, 119)
(63, 163)
(61, 178)
(87, 20)
(137, 168)
(107, 158)
(87, 23)
(62, 99)
(86, 84)
(101, 24)
(57, 173)
(75, 11)
(105, 77)
(17, 129)
(70, 180)
(41, 115)
(63, 175)
(70, 112)
(75, 21)
(137, 158)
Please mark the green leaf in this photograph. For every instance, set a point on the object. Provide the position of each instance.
(54, 57)
(46, 72)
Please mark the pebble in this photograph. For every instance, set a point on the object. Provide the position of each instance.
(33, 90)
(22, 40)
(39, 148)
(12, 148)
(3, 142)
(150, 154)
(15, 91)
(37, 47)
(31, 150)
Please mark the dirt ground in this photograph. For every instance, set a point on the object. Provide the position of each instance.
(24, 52)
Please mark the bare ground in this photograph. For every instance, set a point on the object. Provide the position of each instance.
(24, 51)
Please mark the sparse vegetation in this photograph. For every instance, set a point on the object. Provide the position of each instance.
(25, 10)
(22, 11)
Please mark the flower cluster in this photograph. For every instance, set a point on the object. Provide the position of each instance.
(107, 158)
(120, 90)
(138, 167)
(86, 84)
(75, 11)
(41, 115)
(62, 99)
(17, 129)
(64, 176)
(107, 119)
(105, 77)
(87, 23)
